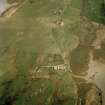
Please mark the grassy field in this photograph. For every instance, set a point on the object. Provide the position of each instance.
(43, 32)
(37, 29)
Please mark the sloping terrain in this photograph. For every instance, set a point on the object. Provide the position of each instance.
(29, 39)
(44, 46)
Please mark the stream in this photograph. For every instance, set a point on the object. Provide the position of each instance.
(3, 6)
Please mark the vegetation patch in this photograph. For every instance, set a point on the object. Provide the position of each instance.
(94, 10)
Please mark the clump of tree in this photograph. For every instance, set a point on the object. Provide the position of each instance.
(103, 12)
(95, 10)
(11, 92)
